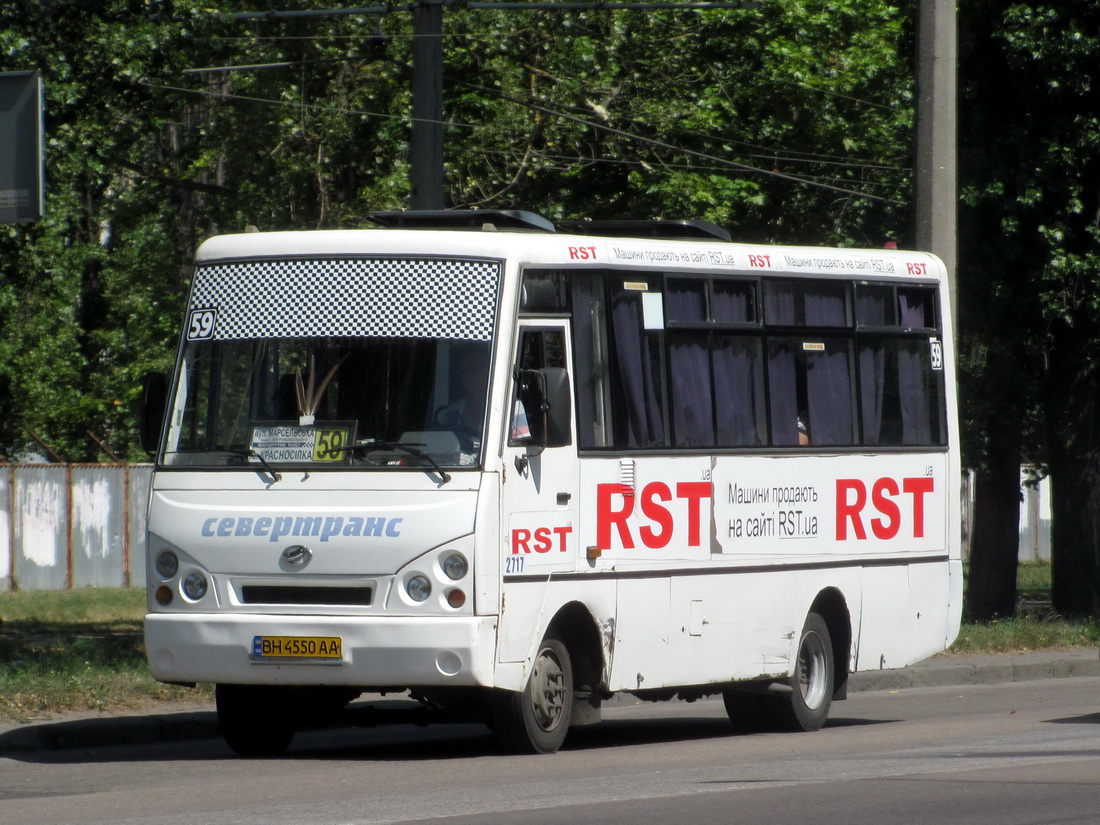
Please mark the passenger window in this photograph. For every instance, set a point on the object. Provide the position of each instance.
(806, 304)
(734, 302)
(875, 306)
(901, 392)
(916, 308)
(716, 390)
(636, 385)
(686, 300)
(811, 392)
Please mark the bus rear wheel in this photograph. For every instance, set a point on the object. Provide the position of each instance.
(537, 718)
(255, 720)
(805, 706)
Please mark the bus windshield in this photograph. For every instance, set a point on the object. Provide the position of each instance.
(331, 362)
(330, 402)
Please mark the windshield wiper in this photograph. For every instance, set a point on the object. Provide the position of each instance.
(411, 449)
(250, 453)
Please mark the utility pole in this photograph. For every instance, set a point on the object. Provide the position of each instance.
(935, 201)
(427, 106)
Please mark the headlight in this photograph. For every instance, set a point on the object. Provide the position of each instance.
(419, 588)
(455, 566)
(168, 564)
(194, 586)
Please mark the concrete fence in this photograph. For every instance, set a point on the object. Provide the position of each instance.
(72, 525)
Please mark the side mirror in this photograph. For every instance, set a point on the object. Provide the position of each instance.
(154, 400)
(546, 401)
(555, 384)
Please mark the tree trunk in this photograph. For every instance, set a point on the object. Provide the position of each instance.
(1073, 392)
(1075, 535)
(994, 548)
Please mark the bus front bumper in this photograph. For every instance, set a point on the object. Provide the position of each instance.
(374, 652)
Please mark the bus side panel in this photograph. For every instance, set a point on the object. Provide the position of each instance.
(929, 591)
(743, 625)
(642, 631)
(732, 626)
(897, 631)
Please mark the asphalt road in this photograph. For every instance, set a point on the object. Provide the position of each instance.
(1010, 752)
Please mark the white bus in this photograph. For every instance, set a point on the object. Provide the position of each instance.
(508, 468)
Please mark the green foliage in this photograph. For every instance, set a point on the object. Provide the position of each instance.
(791, 122)
(778, 122)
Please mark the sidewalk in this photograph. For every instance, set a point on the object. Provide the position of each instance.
(180, 722)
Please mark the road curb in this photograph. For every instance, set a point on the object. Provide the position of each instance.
(950, 671)
(87, 732)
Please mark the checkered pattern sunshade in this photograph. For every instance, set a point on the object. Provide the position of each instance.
(412, 298)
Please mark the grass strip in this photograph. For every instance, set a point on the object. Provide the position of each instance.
(77, 650)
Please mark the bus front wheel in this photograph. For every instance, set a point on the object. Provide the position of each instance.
(808, 693)
(254, 720)
(536, 719)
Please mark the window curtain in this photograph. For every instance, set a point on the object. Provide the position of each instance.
(779, 304)
(685, 300)
(872, 380)
(915, 391)
(913, 384)
(829, 395)
(783, 388)
(826, 305)
(691, 399)
(638, 423)
(738, 391)
(731, 302)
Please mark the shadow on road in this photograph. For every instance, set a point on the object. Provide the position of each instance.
(194, 736)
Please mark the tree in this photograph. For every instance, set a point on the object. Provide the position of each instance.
(1030, 268)
(167, 122)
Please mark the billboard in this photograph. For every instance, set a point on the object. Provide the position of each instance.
(21, 158)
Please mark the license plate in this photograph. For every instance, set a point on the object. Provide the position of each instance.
(297, 647)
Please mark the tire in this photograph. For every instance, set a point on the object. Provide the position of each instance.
(255, 721)
(806, 706)
(745, 710)
(537, 718)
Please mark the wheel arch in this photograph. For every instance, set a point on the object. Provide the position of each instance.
(575, 626)
(831, 605)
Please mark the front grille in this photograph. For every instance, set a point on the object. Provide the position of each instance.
(275, 594)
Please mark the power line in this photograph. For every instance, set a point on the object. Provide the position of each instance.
(287, 103)
(744, 167)
(599, 5)
(722, 163)
(806, 157)
(641, 164)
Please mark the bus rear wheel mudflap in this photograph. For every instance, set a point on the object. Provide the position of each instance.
(537, 718)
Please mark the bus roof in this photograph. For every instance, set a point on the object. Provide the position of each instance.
(531, 240)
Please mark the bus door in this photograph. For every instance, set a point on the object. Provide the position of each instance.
(541, 481)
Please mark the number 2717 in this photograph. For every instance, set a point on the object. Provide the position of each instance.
(513, 564)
